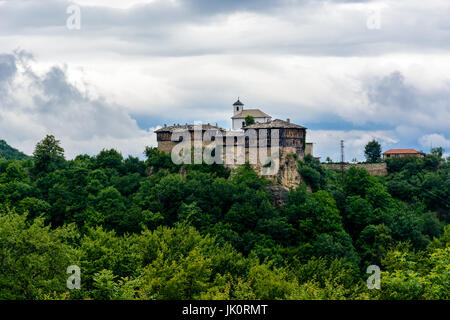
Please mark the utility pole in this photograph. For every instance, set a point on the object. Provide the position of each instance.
(342, 161)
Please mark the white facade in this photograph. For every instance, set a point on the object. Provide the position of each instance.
(239, 115)
(237, 109)
(240, 122)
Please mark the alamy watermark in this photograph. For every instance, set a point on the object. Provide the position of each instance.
(74, 281)
(374, 19)
(73, 22)
(374, 280)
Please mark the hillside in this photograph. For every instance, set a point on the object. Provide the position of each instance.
(156, 230)
(9, 153)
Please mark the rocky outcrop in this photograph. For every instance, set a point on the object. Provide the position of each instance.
(288, 176)
(278, 192)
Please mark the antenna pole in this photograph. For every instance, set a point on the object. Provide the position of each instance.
(342, 161)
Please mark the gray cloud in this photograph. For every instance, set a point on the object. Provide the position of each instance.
(192, 27)
(397, 103)
(34, 105)
(219, 6)
(55, 86)
(392, 90)
(7, 67)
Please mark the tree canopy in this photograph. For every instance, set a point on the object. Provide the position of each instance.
(149, 229)
(372, 151)
(249, 120)
(48, 154)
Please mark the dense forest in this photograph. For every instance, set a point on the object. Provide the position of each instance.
(153, 230)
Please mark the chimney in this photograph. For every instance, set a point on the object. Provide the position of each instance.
(288, 120)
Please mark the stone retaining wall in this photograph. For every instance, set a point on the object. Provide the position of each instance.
(375, 169)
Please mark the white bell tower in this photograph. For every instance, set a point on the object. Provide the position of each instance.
(238, 107)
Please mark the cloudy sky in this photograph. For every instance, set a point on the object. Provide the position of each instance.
(351, 70)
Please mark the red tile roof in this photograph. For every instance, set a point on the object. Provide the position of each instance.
(404, 151)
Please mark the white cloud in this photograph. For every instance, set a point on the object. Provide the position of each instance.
(434, 140)
(327, 143)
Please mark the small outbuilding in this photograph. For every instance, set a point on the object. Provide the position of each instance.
(401, 153)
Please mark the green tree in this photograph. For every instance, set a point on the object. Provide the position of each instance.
(157, 160)
(357, 181)
(439, 151)
(48, 155)
(411, 276)
(33, 257)
(14, 172)
(372, 151)
(357, 215)
(249, 120)
(373, 244)
(109, 159)
(335, 246)
(34, 207)
(111, 206)
(104, 250)
(311, 177)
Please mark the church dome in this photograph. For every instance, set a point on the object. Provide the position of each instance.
(238, 103)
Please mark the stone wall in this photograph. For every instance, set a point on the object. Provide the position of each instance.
(166, 146)
(375, 169)
(287, 174)
(308, 148)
